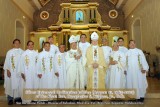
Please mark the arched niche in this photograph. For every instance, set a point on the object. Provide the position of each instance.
(79, 16)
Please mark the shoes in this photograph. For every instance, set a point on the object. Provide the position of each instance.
(141, 100)
(10, 102)
(18, 100)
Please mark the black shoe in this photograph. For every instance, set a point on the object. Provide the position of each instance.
(18, 100)
(10, 102)
(141, 99)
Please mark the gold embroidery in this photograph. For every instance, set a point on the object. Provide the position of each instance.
(51, 65)
(12, 61)
(43, 65)
(59, 60)
(139, 61)
(26, 60)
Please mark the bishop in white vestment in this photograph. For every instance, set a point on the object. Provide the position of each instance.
(116, 75)
(12, 79)
(137, 67)
(74, 66)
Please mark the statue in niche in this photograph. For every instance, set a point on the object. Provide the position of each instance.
(79, 16)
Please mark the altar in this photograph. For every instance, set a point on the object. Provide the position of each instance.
(78, 18)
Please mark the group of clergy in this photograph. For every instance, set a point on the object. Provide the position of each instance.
(84, 66)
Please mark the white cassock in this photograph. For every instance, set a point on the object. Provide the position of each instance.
(116, 76)
(27, 66)
(123, 49)
(60, 68)
(83, 47)
(135, 61)
(12, 84)
(75, 70)
(54, 49)
(45, 66)
(107, 52)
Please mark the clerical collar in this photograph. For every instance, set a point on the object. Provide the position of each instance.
(30, 50)
(74, 50)
(95, 46)
(83, 42)
(132, 48)
(16, 48)
(46, 51)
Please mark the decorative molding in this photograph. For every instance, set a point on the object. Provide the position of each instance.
(43, 2)
(114, 2)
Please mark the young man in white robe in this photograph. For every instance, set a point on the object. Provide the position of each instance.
(12, 79)
(83, 45)
(53, 48)
(122, 48)
(107, 52)
(45, 68)
(116, 69)
(27, 69)
(74, 66)
(60, 69)
(137, 67)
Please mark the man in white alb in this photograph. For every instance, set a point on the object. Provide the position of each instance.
(12, 79)
(136, 66)
(45, 68)
(27, 69)
(60, 69)
(53, 48)
(116, 69)
(121, 45)
(107, 52)
(83, 45)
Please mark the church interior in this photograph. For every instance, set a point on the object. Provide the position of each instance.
(36, 20)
